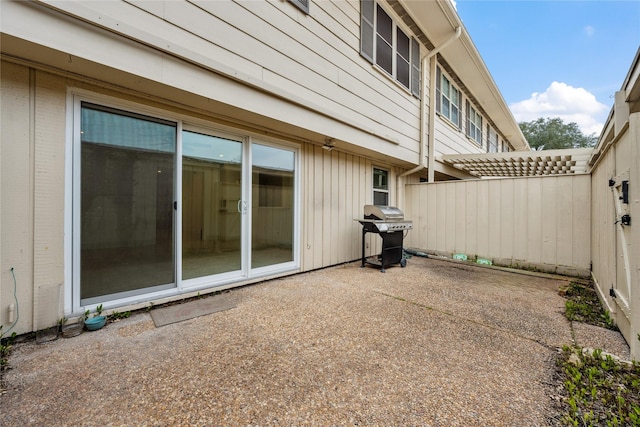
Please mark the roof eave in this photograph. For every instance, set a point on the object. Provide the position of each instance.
(438, 20)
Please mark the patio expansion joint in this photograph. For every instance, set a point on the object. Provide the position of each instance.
(476, 322)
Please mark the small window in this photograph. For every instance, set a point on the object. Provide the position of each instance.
(474, 124)
(403, 65)
(492, 140)
(447, 99)
(505, 147)
(303, 5)
(385, 44)
(380, 187)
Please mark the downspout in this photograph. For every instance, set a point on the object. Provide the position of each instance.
(429, 139)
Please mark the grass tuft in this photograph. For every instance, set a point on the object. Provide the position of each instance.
(599, 391)
(596, 389)
(583, 305)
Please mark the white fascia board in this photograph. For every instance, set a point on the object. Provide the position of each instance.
(464, 58)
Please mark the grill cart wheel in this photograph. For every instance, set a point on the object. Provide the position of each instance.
(403, 262)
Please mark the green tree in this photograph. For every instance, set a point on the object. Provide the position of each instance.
(554, 134)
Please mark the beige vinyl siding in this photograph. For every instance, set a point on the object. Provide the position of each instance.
(541, 222)
(453, 140)
(450, 140)
(33, 193)
(16, 190)
(49, 188)
(336, 186)
(314, 57)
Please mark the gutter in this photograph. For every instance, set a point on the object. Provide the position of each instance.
(429, 140)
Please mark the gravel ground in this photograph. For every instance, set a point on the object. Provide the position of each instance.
(434, 344)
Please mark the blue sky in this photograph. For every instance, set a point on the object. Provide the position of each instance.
(556, 58)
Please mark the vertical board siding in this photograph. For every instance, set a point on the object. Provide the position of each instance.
(461, 220)
(471, 216)
(520, 210)
(533, 221)
(507, 223)
(548, 220)
(514, 221)
(482, 224)
(49, 187)
(565, 222)
(16, 190)
(335, 188)
(609, 269)
(582, 225)
(494, 218)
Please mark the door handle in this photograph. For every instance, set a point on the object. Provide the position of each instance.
(239, 202)
(242, 206)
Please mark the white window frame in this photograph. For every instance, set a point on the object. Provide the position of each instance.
(370, 37)
(492, 140)
(376, 188)
(474, 124)
(75, 98)
(446, 91)
(505, 146)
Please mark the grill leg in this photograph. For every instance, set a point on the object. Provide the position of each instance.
(363, 257)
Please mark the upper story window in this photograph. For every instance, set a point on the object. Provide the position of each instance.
(505, 147)
(303, 5)
(447, 99)
(474, 124)
(384, 43)
(492, 140)
(380, 187)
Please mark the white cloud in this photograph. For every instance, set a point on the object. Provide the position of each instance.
(569, 103)
(589, 30)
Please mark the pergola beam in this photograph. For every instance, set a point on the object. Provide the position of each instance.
(524, 163)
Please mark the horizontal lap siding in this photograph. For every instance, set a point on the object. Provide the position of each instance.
(543, 221)
(452, 141)
(315, 56)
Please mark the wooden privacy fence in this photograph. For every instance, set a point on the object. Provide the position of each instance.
(540, 223)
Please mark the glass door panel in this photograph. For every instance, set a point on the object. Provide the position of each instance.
(272, 205)
(211, 205)
(126, 212)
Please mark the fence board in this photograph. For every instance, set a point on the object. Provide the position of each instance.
(542, 222)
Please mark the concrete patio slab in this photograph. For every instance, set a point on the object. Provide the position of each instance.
(433, 344)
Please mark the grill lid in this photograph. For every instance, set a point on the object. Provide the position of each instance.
(384, 213)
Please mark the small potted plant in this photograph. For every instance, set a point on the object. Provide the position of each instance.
(97, 321)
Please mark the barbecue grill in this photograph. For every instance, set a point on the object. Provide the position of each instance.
(389, 223)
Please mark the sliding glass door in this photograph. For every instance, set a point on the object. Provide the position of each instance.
(126, 204)
(272, 205)
(211, 205)
(160, 207)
